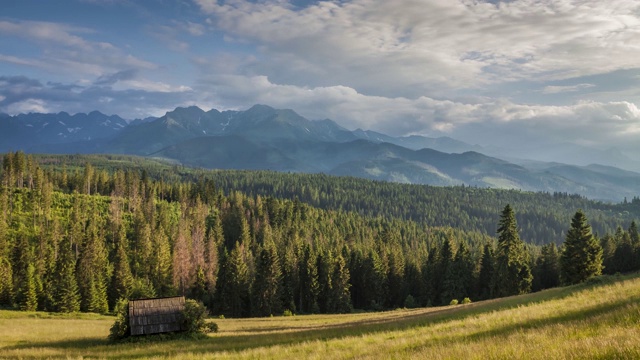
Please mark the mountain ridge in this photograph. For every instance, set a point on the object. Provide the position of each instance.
(263, 137)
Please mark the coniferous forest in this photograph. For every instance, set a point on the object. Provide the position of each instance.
(77, 233)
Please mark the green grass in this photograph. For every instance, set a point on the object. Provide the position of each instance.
(597, 320)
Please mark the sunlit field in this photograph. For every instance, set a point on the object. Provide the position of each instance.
(600, 319)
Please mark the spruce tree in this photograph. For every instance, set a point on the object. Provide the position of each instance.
(122, 282)
(309, 287)
(487, 269)
(340, 299)
(512, 272)
(582, 255)
(67, 295)
(267, 283)
(234, 288)
(547, 268)
(29, 296)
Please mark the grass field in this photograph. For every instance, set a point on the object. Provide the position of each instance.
(596, 320)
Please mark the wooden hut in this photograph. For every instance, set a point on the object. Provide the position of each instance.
(154, 316)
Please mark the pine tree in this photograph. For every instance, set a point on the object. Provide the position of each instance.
(29, 296)
(267, 283)
(161, 263)
(547, 268)
(67, 295)
(6, 268)
(233, 293)
(290, 279)
(122, 282)
(395, 277)
(512, 273)
(24, 274)
(324, 264)
(309, 288)
(93, 267)
(340, 299)
(487, 269)
(582, 255)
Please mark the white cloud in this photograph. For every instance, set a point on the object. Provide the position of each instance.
(64, 51)
(562, 89)
(416, 48)
(28, 106)
(151, 86)
(600, 124)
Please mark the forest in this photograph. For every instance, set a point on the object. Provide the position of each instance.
(77, 233)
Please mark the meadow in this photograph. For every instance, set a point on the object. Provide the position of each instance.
(599, 319)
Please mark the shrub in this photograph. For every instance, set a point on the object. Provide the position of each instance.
(287, 312)
(120, 328)
(466, 301)
(212, 327)
(410, 302)
(194, 316)
(454, 302)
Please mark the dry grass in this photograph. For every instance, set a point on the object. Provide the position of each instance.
(588, 321)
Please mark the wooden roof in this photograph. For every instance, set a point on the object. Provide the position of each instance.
(154, 316)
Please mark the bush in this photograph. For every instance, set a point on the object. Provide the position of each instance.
(120, 328)
(466, 301)
(454, 302)
(212, 327)
(410, 302)
(195, 318)
(287, 312)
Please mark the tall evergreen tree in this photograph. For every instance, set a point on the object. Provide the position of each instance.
(93, 267)
(396, 276)
(234, 292)
(122, 281)
(67, 295)
(512, 273)
(582, 254)
(28, 295)
(24, 273)
(324, 265)
(340, 299)
(267, 283)
(487, 269)
(309, 287)
(161, 262)
(547, 268)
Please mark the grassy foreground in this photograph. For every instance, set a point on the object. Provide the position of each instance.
(596, 320)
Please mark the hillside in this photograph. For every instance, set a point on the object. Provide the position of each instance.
(543, 217)
(595, 320)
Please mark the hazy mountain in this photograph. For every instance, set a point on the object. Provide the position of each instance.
(266, 138)
(566, 153)
(34, 131)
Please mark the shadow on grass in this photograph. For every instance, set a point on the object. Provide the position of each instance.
(402, 321)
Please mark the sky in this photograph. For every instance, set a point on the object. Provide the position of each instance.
(504, 73)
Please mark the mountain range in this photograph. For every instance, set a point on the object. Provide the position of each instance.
(266, 138)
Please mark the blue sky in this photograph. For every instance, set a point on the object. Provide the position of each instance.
(512, 73)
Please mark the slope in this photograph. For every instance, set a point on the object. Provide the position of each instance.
(594, 320)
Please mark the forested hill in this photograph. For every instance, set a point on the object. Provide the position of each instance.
(79, 233)
(542, 217)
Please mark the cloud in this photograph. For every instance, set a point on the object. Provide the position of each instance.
(19, 94)
(563, 89)
(110, 79)
(65, 51)
(490, 122)
(414, 48)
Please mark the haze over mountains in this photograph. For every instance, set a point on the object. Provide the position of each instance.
(266, 138)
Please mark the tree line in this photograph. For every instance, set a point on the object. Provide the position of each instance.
(66, 246)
